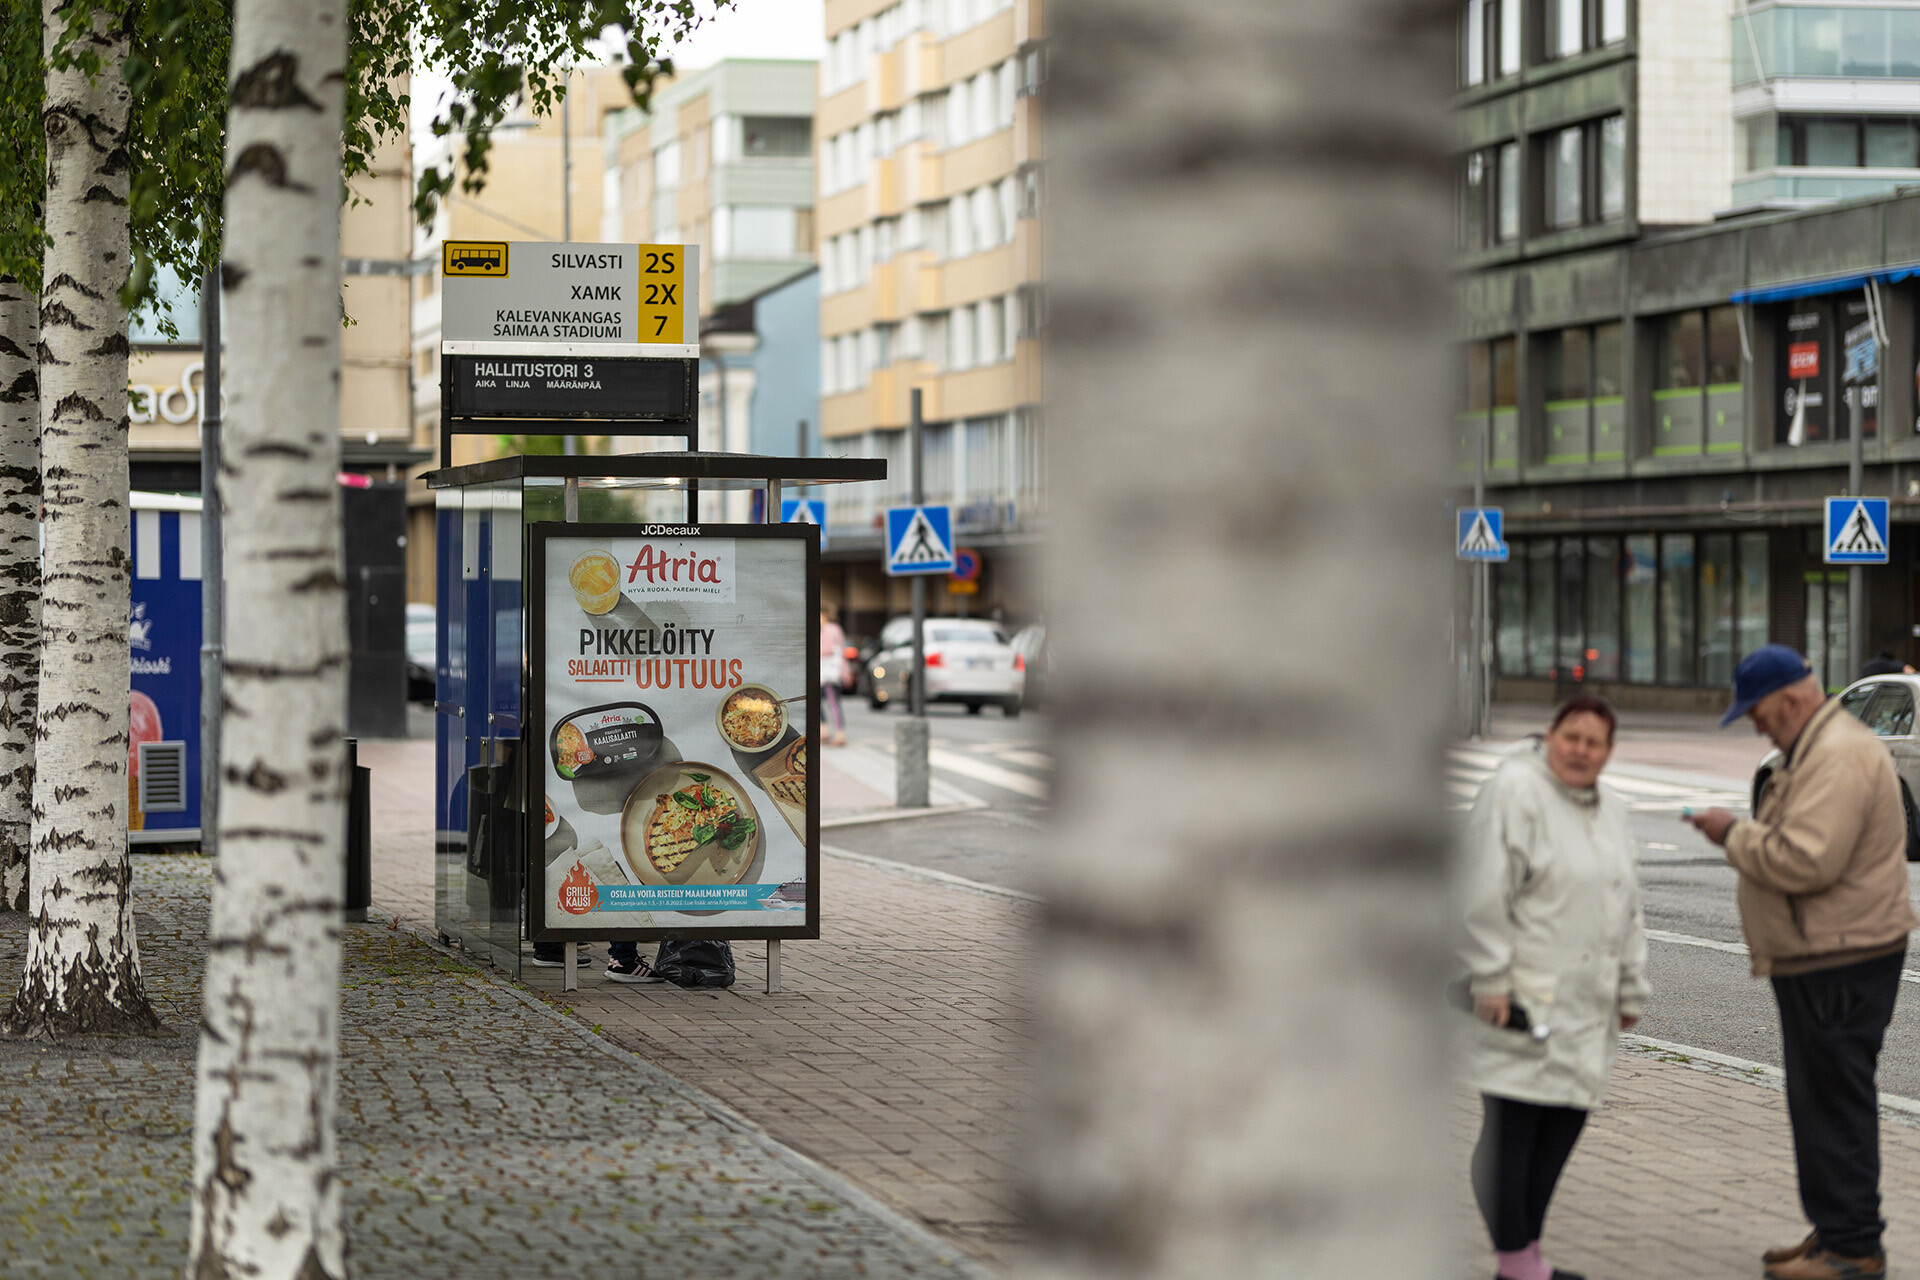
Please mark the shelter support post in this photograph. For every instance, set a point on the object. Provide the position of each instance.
(572, 980)
(773, 965)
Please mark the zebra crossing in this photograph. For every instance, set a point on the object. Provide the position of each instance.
(1468, 769)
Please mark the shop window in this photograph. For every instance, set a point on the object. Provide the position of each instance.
(1677, 609)
(1582, 414)
(1510, 603)
(1717, 637)
(1541, 566)
(1489, 418)
(1603, 609)
(1571, 660)
(1828, 357)
(1640, 574)
(1826, 604)
(1697, 393)
(1753, 617)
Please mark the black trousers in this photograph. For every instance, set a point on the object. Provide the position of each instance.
(1523, 1147)
(1831, 1024)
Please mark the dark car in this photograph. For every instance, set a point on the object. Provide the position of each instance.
(422, 653)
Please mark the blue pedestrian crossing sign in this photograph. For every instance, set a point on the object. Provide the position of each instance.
(919, 540)
(805, 511)
(1477, 534)
(1856, 530)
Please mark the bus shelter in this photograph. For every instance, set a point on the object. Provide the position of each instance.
(626, 699)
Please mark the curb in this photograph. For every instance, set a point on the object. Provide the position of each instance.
(907, 871)
(1892, 1106)
(850, 1193)
(900, 815)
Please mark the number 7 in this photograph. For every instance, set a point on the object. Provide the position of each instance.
(659, 325)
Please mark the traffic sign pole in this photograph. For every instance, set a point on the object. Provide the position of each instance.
(911, 785)
(1481, 691)
(1856, 574)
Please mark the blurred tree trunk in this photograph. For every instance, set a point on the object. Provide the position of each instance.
(82, 971)
(266, 1198)
(19, 581)
(1242, 1068)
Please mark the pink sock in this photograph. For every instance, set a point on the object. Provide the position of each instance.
(1522, 1264)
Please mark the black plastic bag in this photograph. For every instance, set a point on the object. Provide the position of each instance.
(695, 964)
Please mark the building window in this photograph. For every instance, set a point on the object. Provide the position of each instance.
(1489, 37)
(1678, 597)
(1583, 410)
(790, 136)
(1602, 656)
(1584, 171)
(1828, 357)
(1490, 196)
(1640, 573)
(1829, 142)
(1575, 26)
(1698, 401)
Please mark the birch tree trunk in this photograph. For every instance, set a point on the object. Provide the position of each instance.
(266, 1201)
(19, 581)
(1242, 1065)
(82, 972)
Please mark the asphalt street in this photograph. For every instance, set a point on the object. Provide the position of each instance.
(1005, 763)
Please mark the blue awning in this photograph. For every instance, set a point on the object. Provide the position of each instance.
(1814, 288)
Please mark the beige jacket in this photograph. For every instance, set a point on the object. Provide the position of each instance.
(1551, 915)
(1823, 864)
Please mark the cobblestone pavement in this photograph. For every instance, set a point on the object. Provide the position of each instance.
(480, 1136)
(894, 1053)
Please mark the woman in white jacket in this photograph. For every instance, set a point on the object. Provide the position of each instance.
(1551, 914)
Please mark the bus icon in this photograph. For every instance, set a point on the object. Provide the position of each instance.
(474, 258)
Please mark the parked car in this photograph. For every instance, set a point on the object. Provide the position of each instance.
(968, 661)
(1030, 642)
(1885, 705)
(422, 654)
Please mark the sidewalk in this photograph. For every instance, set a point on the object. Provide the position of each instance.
(480, 1135)
(894, 1053)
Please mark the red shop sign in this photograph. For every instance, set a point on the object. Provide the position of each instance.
(1803, 360)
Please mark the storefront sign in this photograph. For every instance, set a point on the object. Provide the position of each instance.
(533, 291)
(672, 708)
(1803, 360)
(539, 386)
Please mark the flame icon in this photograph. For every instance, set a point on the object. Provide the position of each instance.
(577, 896)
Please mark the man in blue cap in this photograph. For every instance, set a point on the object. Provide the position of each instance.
(1823, 902)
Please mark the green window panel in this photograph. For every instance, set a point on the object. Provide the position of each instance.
(1726, 418)
(1609, 429)
(1677, 426)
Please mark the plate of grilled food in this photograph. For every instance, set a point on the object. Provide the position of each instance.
(690, 823)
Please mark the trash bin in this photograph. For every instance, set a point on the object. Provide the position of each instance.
(358, 891)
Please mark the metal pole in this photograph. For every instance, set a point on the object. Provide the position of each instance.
(566, 162)
(570, 512)
(1477, 670)
(919, 699)
(911, 784)
(1856, 574)
(212, 563)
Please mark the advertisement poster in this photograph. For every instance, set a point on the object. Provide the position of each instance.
(673, 681)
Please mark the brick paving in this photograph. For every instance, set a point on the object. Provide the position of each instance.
(893, 1053)
(480, 1135)
(1688, 1173)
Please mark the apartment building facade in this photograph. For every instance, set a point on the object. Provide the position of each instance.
(1667, 346)
(723, 160)
(930, 187)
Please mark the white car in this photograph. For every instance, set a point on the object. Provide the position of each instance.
(968, 661)
(1885, 705)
